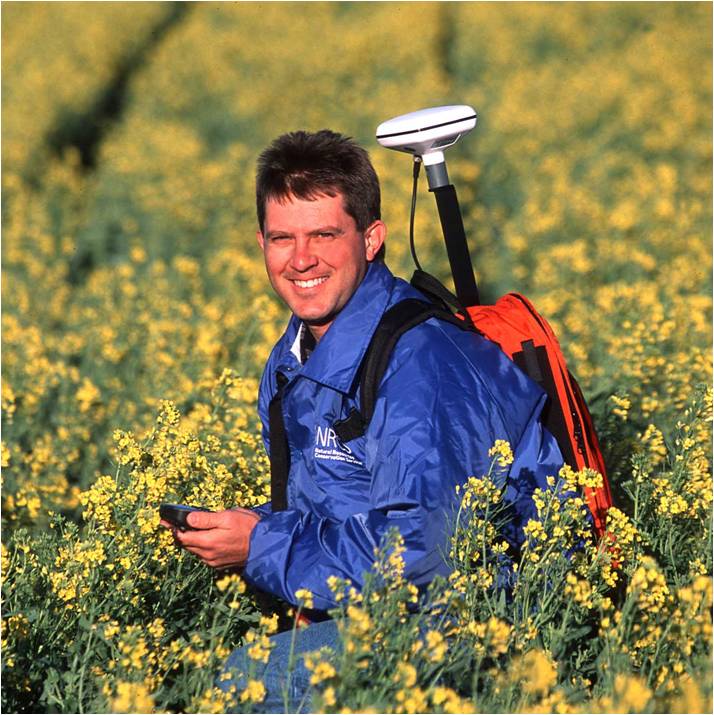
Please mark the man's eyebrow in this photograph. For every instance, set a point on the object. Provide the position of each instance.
(326, 229)
(277, 232)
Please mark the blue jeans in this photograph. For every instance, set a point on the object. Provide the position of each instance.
(278, 680)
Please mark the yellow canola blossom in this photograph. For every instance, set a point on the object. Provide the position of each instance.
(132, 698)
(260, 646)
(436, 646)
(320, 671)
(305, 597)
(450, 702)
(413, 700)
(254, 692)
(502, 452)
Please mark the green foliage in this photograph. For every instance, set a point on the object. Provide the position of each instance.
(88, 608)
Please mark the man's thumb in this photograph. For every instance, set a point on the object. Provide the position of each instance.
(203, 519)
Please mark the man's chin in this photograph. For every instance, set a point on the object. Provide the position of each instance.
(317, 324)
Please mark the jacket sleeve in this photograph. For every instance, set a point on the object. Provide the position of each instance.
(265, 394)
(421, 443)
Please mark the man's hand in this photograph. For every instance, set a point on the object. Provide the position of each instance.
(222, 538)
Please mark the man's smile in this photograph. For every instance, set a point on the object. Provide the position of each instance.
(311, 283)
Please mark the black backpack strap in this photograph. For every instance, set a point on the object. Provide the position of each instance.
(279, 448)
(395, 322)
(533, 361)
(439, 294)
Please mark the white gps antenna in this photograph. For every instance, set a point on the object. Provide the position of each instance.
(425, 134)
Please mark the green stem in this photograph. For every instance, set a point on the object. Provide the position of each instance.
(474, 681)
(83, 670)
(291, 660)
(660, 641)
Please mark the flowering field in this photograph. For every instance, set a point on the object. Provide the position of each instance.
(137, 317)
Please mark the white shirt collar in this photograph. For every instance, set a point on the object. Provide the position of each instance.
(295, 347)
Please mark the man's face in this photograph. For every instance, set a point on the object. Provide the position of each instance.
(315, 256)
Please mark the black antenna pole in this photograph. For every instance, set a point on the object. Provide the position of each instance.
(452, 226)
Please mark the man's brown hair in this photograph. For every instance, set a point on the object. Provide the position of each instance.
(305, 165)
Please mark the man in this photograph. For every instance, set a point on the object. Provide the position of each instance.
(446, 397)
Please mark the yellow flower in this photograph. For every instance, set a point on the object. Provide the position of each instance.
(406, 674)
(328, 697)
(413, 700)
(87, 394)
(157, 628)
(649, 586)
(260, 646)
(131, 698)
(305, 596)
(622, 406)
(449, 701)
(322, 671)
(536, 671)
(692, 697)
(631, 693)
(231, 582)
(359, 622)
(269, 623)
(535, 530)
(501, 450)
(436, 646)
(585, 477)
(254, 692)
(580, 590)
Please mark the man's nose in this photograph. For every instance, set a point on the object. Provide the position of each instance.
(303, 257)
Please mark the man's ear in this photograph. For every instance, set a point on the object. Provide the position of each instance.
(260, 239)
(374, 237)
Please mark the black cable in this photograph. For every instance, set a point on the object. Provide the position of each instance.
(417, 166)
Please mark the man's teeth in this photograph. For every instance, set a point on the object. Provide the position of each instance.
(311, 283)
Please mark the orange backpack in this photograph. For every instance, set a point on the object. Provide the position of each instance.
(525, 336)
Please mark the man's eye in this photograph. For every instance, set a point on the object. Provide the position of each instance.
(279, 239)
(326, 234)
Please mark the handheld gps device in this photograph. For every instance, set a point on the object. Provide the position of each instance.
(176, 514)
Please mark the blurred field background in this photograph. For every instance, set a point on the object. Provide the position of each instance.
(131, 277)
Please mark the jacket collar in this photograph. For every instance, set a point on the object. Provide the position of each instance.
(337, 357)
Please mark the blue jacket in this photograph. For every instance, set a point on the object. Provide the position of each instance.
(446, 397)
